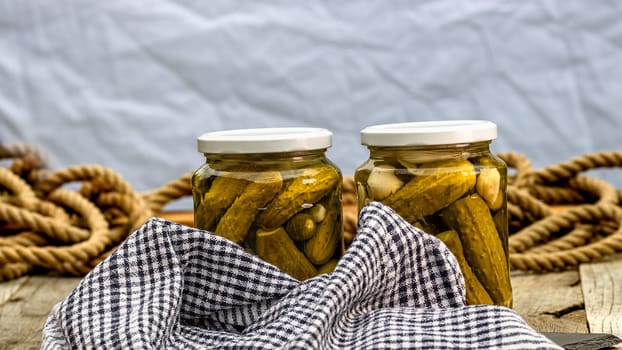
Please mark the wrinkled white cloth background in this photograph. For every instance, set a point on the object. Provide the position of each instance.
(131, 84)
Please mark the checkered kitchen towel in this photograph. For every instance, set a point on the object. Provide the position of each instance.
(174, 287)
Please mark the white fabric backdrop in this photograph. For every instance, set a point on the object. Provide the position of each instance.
(131, 84)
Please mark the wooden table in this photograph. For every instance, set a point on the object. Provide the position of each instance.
(583, 300)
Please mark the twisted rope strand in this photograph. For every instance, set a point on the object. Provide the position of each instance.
(21, 150)
(527, 204)
(14, 270)
(565, 259)
(542, 230)
(577, 237)
(569, 169)
(524, 172)
(83, 173)
(178, 188)
(556, 195)
(24, 238)
(51, 227)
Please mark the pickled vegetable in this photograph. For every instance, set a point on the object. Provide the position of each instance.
(328, 267)
(475, 292)
(222, 192)
(236, 222)
(489, 184)
(323, 245)
(300, 227)
(435, 186)
(307, 188)
(429, 173)
(317, 212)
(382, 182)
(275, 247)
(483, 249)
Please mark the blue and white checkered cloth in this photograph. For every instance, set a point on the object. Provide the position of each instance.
(175, 287)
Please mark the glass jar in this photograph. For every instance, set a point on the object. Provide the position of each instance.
(442, 178)
(274, 192)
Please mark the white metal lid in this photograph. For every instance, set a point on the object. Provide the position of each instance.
(264, 140)
(429, 133)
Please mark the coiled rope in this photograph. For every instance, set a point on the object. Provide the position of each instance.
(47, 226)
(546, 240)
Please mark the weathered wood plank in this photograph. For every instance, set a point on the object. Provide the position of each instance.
(550, 302)
(602, 290)
(23, 315)
(8, 288)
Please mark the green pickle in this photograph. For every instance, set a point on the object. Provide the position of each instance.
(275, 247)
(300, 227)
(308, 187)
(212, 204)
(434, 187)
(475, 291)
(322, 246)
(442, 178)
(470, 217)
(284, 207)
(238, 218)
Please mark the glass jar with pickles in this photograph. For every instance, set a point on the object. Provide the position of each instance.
(274, 192)
(441, 176)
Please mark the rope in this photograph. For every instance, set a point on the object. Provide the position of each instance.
(547, 240)
(46, 226)
(58, 229)
(172, 190)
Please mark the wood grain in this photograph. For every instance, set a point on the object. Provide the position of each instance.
(24, 312)
(550, 302)
(8, 288)
(602, 288)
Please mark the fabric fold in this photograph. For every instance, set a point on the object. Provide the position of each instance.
(174, 287)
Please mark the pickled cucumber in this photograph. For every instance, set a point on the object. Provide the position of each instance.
(435, 186)
(275, 247)
(300, 227)
(483, 249)
(328, 266)
(222, 192)
(321, 247)
(307, 188)
(237, 220)
(475, 293)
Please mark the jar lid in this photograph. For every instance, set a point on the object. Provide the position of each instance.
(264, 140)
(429, 133)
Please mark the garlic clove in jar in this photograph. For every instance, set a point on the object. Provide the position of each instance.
(489, 187)
(382, 182)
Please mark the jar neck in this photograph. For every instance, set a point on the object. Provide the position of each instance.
(266, 158)
(435, 152)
